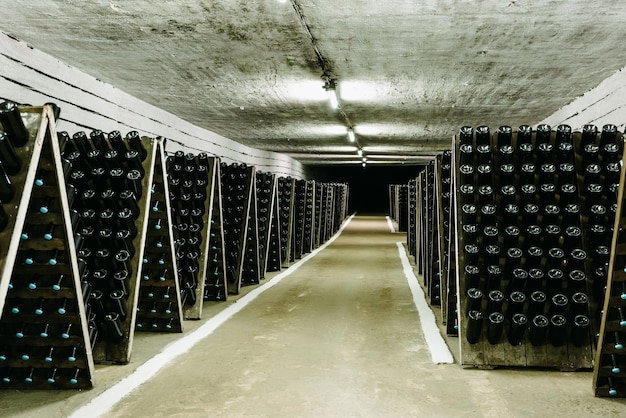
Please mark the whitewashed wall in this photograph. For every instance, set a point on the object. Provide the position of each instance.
(33, 77)
(605, 104)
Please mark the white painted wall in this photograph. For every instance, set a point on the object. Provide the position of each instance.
(605, 104)
(29, 76)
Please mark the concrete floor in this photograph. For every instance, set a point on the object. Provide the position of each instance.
(340, 337)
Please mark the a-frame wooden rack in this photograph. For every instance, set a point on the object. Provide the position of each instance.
(266, 189)
(159, 306)
(238, 184)
(44, 334)
(609, 372)
(216, 286)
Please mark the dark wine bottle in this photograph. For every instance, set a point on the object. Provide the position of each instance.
(12, 124)
(7, 190)
(495, 327)
(113, 327)
(466, 135)
(474, 299)
(516, 303)
(538, 330)
(474, 326)
(517, 329)
(8, 157)
(557, 330)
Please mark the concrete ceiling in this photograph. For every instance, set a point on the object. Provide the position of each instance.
(409, 73)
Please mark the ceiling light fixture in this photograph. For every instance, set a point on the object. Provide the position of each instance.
(363, 164)
(360, 152)
(351, 136)
(331, 89)
(364, 159)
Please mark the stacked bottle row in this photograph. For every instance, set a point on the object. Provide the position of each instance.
(161, 296)
(304, 219)
(412, 224)
(431, 234)
(108, 176)
(310, 226)
(286, 203)
(297, 236)
(448, 277)
(237, 186)
(269, 243)
(45, 341)
(525, 199)
(340, 208)
(398, 205)
(610, 360)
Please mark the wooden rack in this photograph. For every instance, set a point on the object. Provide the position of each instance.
(274, 260)
(286, 204)
(216, 286)
(411, 233)
(251, 272)
(609, 372)
(45, 337)
(159, 307)
(205, 201)
(448, 279)
(238, 183)
(309, 218)
(297, 236)
(266, 187)
(546, 335)
(319, 214)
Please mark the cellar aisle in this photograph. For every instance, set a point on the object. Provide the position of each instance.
(339, 337)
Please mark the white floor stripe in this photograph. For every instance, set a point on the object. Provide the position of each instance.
(104, 402)
(439, 351)
(391, 228)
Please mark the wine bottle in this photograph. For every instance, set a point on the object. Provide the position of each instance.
(517, 329)
(4, 218)
(494, 277)
(495, 300)
(49, 358)
(135, 143)
(8, 157)
(466, 135)
(113, 327)
(7, 190)
(516, 303)
(474, 326)
(12, 124)
(504, 135)
(474, 300)
(538, 330)
(537, 303)
(557, 329)
(495, 327)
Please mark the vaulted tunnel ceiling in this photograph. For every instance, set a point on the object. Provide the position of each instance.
(409, 73)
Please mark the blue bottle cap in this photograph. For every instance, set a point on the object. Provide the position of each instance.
(71, 358)
(47, 236)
